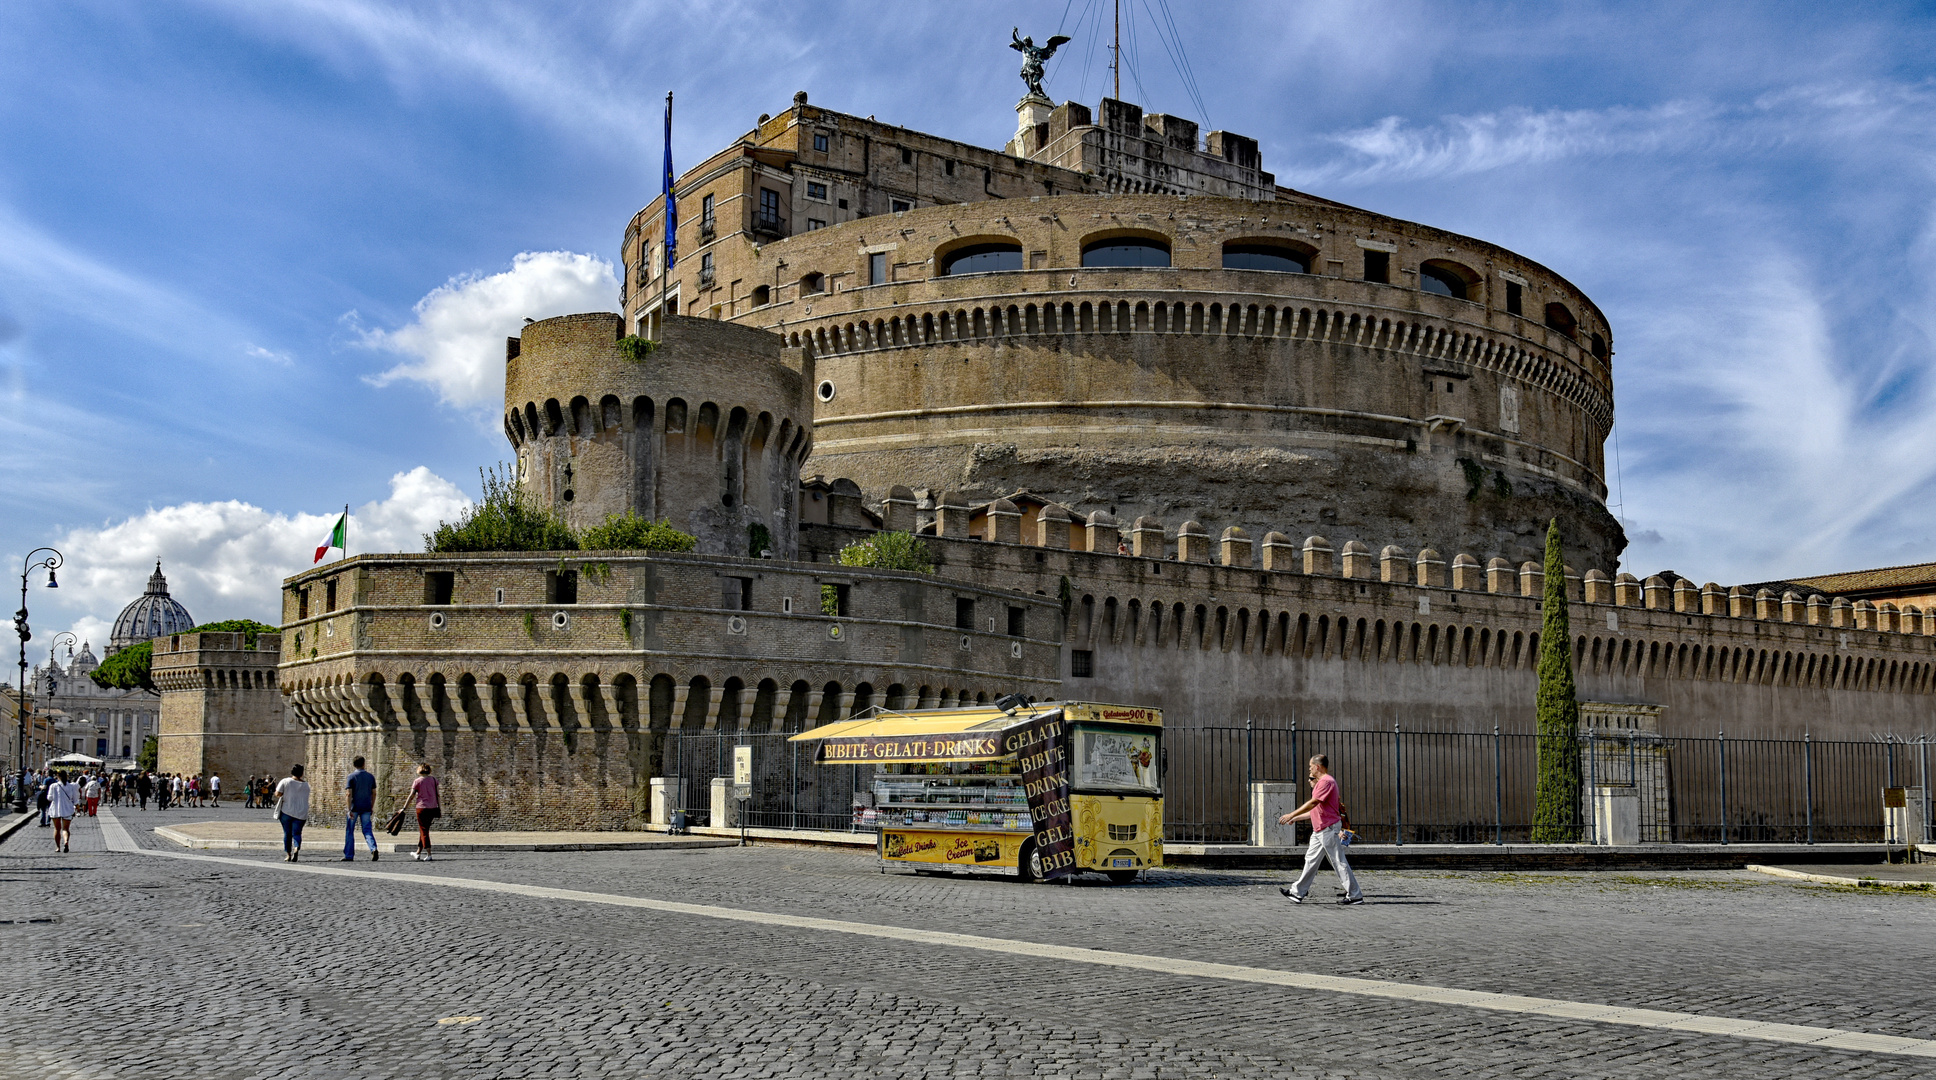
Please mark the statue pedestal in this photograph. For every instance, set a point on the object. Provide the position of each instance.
(1032, 110)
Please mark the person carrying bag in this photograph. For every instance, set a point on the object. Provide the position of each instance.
(424, 796)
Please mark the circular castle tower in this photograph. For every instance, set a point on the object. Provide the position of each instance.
(708, 430)
(1304, 368)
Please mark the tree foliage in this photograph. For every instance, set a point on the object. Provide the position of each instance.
(1556, 815)
(889, 551)
(630, 532)
(127, 669)
(150, 755)
(503, 520)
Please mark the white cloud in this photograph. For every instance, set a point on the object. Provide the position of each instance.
(1394, 149)
(270, 355)
(456, 342)
(226, 560)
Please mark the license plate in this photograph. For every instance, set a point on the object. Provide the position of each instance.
(1124, 863)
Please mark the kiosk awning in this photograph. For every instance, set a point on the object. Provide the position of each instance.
(957, 735)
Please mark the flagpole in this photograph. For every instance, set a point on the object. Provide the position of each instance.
(670, 214)
(346, 532)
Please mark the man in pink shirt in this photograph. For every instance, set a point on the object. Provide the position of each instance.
(1326, 811)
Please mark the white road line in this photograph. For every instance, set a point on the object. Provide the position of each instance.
(117, 839)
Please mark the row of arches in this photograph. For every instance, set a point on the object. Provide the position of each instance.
(581, 418)
(1212, 318)
(571, 704)
(1160, 624)
(724, 447)
(1765, 667)
(216, 679)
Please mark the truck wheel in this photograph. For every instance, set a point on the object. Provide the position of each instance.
(1028, 868)
(1121, 877)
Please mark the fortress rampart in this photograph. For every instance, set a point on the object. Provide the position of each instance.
(1217, 628)
(540, 686)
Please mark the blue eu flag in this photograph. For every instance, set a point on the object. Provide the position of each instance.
(671, 209)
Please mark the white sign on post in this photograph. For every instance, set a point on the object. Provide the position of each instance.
(742, 772)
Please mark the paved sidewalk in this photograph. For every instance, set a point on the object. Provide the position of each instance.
(319, 836)
(1862, 875)
(762, 962)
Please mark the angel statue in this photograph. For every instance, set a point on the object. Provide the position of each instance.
(1032, 57)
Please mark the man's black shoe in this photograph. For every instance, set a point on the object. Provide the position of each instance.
(1351, 901)
(1292, 897)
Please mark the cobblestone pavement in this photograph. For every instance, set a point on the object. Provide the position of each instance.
(234, 966)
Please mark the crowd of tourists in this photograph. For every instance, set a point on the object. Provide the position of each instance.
(60, 795)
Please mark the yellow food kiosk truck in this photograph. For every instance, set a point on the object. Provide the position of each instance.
(1044, 791)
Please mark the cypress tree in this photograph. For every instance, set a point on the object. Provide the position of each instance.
(1556, 815)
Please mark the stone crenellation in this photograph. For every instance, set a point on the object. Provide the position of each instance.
(1203, 625)
(949, 516)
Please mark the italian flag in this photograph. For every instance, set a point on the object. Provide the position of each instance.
(337, 536)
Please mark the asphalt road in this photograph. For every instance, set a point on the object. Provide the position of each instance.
(234, 965)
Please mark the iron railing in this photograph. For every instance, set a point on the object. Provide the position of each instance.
(1412, 787)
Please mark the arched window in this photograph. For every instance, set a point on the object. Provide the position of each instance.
(1279, 258)
(762, 295)
(1446, 279)
(1558, 318)
(982, 259)
(1599, 347)
(813, 283)
(1126, 251)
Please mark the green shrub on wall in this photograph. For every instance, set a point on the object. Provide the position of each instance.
(889, 551)
(503, 520)
(630, 532)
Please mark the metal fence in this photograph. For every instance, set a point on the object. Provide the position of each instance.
(1411, 787)
(790, 790)
(1430, 787)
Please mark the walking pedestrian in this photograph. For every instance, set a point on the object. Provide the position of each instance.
(92, 792)
(424, 795)
(1325, 808)
(41, 798)
(292, 809)
(248, 793)
(214, 790)
(144, 786)
(62, 798)
(361, 789)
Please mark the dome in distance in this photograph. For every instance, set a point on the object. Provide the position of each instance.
(154, 614)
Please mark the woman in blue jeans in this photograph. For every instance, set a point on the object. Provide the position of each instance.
(292, 809)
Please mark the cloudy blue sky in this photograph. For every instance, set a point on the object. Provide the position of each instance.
(257, 258)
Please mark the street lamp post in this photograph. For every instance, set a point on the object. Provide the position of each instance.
(53, 661)
(52, 562)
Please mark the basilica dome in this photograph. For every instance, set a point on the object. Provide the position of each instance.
(152, 615)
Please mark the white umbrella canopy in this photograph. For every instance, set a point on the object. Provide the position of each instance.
(74, 760)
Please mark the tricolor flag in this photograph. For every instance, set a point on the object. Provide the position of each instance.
(338, 537)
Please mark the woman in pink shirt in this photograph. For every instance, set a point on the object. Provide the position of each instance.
(423, 795)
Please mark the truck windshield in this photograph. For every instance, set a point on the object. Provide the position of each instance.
(1115, 759)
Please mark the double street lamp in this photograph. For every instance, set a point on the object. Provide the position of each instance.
(50, 562)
